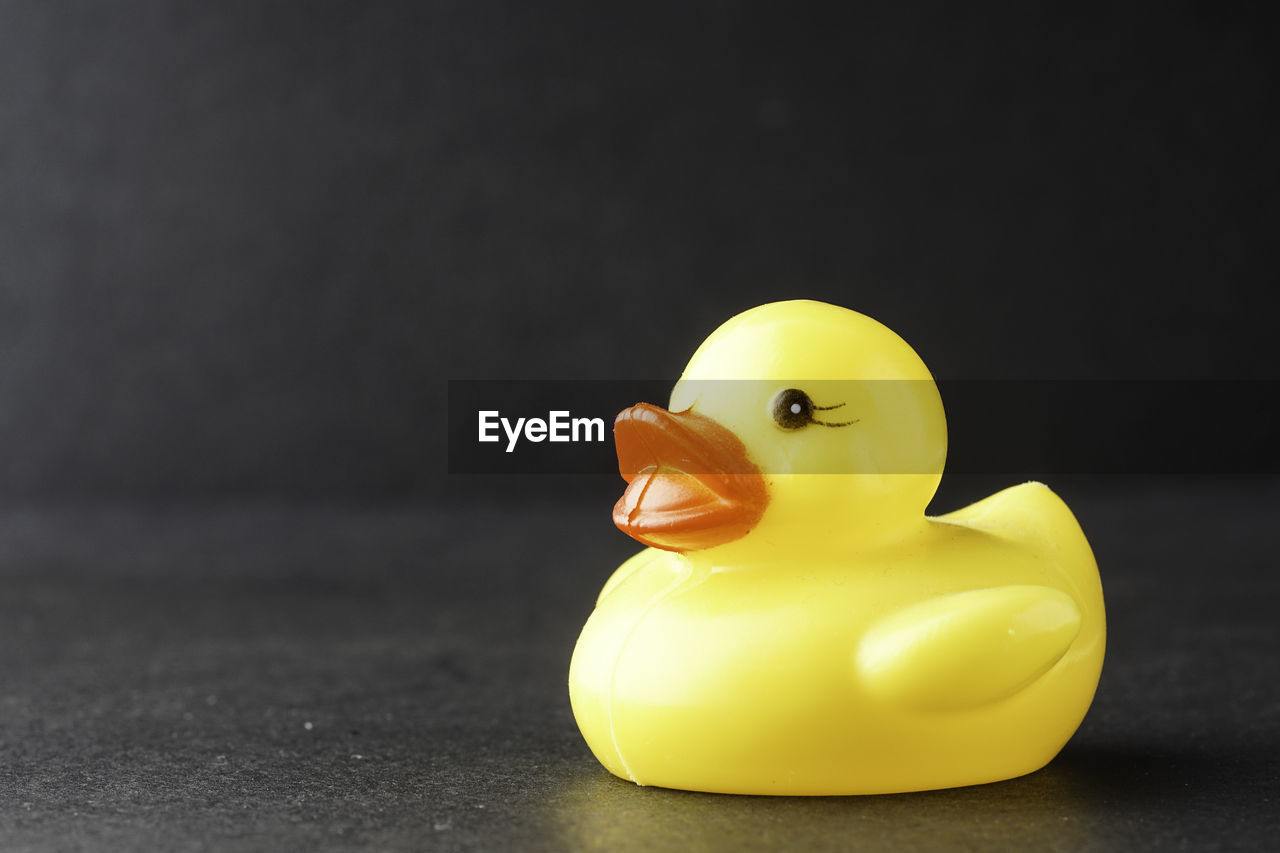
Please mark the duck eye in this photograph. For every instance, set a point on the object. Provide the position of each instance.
(792, 409)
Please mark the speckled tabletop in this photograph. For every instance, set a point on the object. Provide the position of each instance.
(393, 678)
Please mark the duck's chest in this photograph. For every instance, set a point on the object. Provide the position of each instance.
(736, 634)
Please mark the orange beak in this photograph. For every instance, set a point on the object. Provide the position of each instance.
(690, 484)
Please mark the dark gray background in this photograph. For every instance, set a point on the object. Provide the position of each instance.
(244, 245)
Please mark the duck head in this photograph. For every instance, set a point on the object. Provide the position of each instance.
(797, 427)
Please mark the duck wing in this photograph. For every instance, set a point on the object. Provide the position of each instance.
(968, 648)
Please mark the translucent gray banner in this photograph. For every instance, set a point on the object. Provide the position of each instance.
(798, 426)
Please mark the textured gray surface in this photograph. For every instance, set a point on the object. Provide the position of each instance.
(393, 678)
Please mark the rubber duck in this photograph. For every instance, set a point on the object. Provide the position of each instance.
(796, 624)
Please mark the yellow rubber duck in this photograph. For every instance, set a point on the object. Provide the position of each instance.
(798, 625)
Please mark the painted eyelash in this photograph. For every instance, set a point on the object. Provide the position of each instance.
(828, 423)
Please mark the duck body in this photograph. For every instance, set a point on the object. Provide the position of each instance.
(912, 654)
